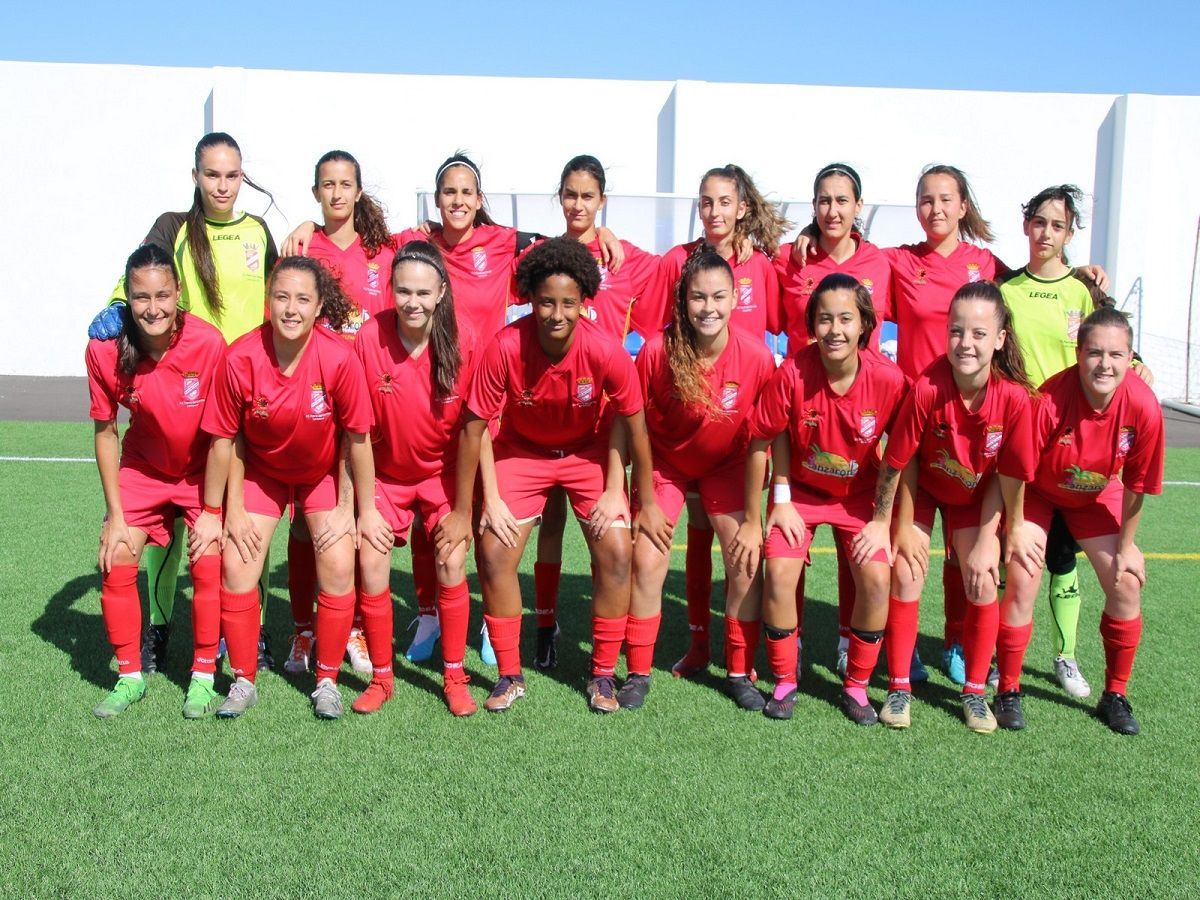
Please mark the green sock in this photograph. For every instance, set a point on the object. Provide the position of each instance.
(264, 586)
(162, 570)
(1064, 606)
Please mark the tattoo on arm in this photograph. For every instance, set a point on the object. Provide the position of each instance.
(885, 490)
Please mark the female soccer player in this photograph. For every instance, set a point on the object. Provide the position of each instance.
(700, 380)
(418, 366)
(735, 216)
(552, 373)
(224, 257)
(291, 390)
(1099, 439)
(835, 403)
(161, 369)
(965, 425)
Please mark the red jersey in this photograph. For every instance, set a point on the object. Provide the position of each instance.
(549, 405)
(480, 269)
(1081, 449)
(755, 285)
(165, 398)
(416, 432)
(923, 284)
(834, 439)
(290, 424)
(367, 282)
(958, 448)
(868, 265)
(687, 437)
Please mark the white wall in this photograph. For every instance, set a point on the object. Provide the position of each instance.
(99, 151)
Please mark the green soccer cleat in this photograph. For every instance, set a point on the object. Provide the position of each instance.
(202, 699)
(127, 692)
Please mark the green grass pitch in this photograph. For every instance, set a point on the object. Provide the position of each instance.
(686, 798)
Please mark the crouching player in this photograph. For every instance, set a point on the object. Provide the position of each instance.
(1099, 439)
(161, 369)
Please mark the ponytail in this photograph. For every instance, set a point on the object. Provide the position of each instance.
(370, 223)
(973, 227)
(1007, 362)
(446, 361)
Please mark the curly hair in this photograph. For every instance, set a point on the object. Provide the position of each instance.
(370, 224)
(335, 306)
(558, 256)
(763, 225)
(679, 340)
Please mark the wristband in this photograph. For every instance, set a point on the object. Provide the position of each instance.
(215, 510)
(781, 493)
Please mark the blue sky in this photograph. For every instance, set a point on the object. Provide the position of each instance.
(1098, 47)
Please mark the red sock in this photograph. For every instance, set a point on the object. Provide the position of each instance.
(980, 628)
(640, 636)
(861, 659)
(846, 592)
(424, 573)
(741, 645)
(239, 624)
(607, 637)
(206, 613)
(800, 601)
(335, 615)
(123, 616)
(782, 658)
(900, 639)
(377, 626)
(698, 583)
(454, 608)
(1121, 638)
(1011, 641)
(954, 604)
(302, 582)
(505, 635)
(545, 593)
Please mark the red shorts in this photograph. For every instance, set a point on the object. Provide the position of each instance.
(953, 517)
(268, 496)
(525, 477)
(721, 490)
(1099, 518)
(847, 516)
(398, 502)
(150, 500)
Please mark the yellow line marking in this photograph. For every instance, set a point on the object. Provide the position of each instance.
(825, 551)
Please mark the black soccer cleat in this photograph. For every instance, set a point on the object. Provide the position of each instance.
(633, 692)
(1007, 708)
(1115, 712)
(154, 647)
(781, 708)
(265, 659)
(546, 657)
(744, 693)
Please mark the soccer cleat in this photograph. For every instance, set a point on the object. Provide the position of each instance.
(487, 653)
(546, 657)
(693, 664)
(1008, 711)
(602, 694)
(242, 695)
(917, 671)
(744, 693)
(459, 699)
(782, 707)
(154, 647)
(265, 660)
(327, 700)
(429, 629)
(633, 692)
(356, 652)
(508, 690)
(843, 662)
(1115, 712)
(976, 714)
(896, 711)
(378, 692)
(127, 692)
(993, 678)
(954, 664)
(858, 713)
(1071, 678)
(202, 699)
(301, 650)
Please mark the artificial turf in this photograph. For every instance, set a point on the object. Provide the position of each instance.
(686, 797)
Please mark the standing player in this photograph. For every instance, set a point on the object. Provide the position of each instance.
(834, 402)
(161, 369)
(290, 390)
(223, 258)
(418, 366)
(1099, 439)
(700, 379)
(552, 373)
(965, 426)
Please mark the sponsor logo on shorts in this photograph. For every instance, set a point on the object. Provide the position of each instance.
(585, 391)
(1074, 320)
(1082, 481)
(1125, 439)
(373, 277)
(729, 396)
(253, 261)
(318, 402)
(866, 425)
(824, 463)
(973, 273)
(191, 388)
(993, 439)
(952, 467)
(260, 410)
(746, 292)
(479, 260)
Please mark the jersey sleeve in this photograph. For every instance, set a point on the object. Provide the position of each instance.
(773, 410)
(223, 411)
(1017, 458)
(490, 381)
(642, 268)
(621, 383)
(100, 385)
(904, 439)
(1143, 469)
(351, 399)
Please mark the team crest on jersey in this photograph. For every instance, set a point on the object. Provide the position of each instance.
(318, 402)
(372, 276)
(973, 273)
(585, 391)
(603, 273)
(260, 409)
(1074, 320)
(590, 312)
(729, 396)
(1125, 439)
(993, 438)
(810, 418)
(191, 386)
(385, 383)
(919, 276)
(866, 425)
(253, 262)
(745, 291)
(869, 285)
(479, 260)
